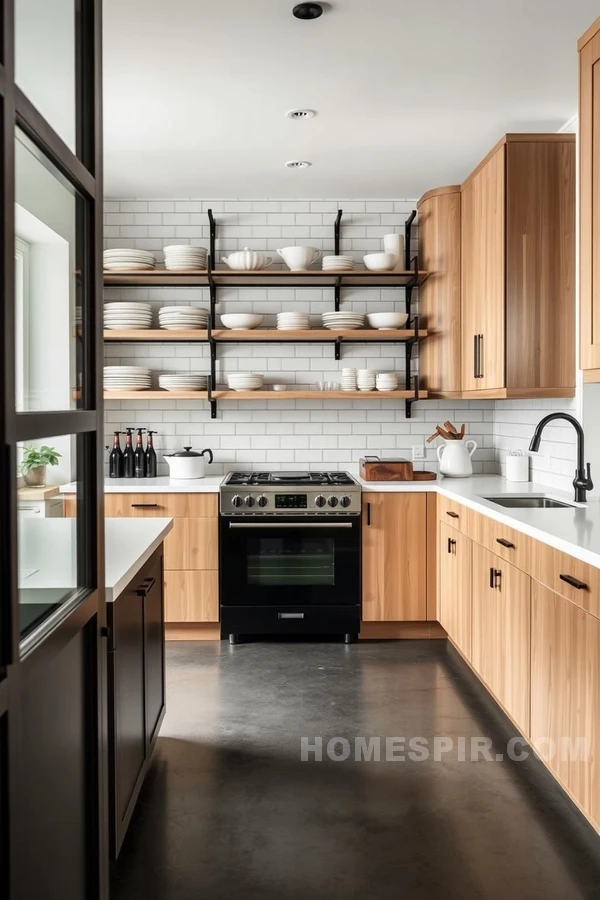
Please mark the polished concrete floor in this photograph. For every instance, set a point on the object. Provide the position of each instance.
(229, 810)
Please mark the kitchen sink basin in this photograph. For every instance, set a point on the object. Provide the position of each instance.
(528, 501)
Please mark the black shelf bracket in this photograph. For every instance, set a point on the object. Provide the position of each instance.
(411, 342)
(213, 234)
(212, 378)
(211, 399)
(336, 230)
(407, 238)
(411, 400)
(338, 348)
(412, 283)
(337, 293)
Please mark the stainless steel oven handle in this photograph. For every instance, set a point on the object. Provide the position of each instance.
(290, 525)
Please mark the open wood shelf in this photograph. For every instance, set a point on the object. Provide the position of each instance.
(228, 395)
(263, 278)
(265, 334)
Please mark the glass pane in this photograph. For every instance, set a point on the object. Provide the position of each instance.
(45, 61)
(47, 529)
(291, 561)
(48, 286)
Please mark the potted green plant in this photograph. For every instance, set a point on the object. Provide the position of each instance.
(34, 462)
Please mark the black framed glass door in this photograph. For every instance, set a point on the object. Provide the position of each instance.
(52, 601)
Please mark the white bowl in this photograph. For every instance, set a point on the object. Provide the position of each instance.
(387, 320)
(237, 321)
(380, 262)
(280, 387)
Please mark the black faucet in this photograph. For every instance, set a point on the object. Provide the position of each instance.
(583, 478)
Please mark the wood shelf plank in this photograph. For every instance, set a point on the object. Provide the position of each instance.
(263, 334)
(310, 278)
(155, 395)
(227, 395)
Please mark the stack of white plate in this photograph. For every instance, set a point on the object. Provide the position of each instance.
(366, 379)
(127, 378)
(387, 381)
(338, 263)
(348, 379)
(343, 320)
(120, 260)
(182, 318)
(182, 256)
(183, 381)
(244, 381)
(293, 321)
(125, 316)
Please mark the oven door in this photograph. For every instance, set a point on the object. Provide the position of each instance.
(290, 561)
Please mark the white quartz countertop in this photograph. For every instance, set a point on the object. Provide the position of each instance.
(48, 551)
(163, 485)
(575, 531)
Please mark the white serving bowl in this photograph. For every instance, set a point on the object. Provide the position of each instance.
(238, 321)
(380, 262)
(387, 320)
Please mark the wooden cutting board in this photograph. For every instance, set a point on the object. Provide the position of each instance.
(372, 468)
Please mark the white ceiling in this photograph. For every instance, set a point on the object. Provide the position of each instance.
(409, 94)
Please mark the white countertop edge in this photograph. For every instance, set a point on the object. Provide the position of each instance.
(162, 485)
(155, 531)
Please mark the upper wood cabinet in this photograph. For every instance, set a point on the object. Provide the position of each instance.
(589, 201)
(394, 557)
(439, 296)
(514, 334)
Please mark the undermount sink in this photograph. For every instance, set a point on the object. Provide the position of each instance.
(528, 501)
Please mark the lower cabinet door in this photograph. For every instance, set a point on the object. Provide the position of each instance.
(154, 643)
(565, 694)
(192, 596)
(501, 641)
(455, 586)
(128, 719)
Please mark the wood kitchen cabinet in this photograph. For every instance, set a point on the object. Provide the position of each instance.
(394, 560)
(514, 334)
(589, 201)
(565, 693)
(501, 632)
(454, 590)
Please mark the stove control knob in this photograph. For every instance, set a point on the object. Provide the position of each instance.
(333, 501)
(345, 502)
(249, 501)
(262, 500)
(236, 501)
(320, 500)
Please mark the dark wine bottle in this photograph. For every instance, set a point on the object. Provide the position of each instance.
(139, 456)
(116, 462)
(128, 457)
(151, 460)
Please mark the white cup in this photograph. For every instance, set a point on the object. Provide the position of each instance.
(394, 244)
(517, 468)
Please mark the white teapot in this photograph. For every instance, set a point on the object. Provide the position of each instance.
(454, 458)
(247, 260)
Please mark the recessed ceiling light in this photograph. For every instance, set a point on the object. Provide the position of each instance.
(301, 113)
(308, 10)
(298, 164)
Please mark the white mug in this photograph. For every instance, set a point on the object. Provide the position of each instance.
(394, 244)
(298, 259)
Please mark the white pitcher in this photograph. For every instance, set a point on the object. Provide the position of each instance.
(454, 458)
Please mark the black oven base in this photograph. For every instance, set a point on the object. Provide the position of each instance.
(237, 621)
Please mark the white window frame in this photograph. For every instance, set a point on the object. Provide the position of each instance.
(22, 309)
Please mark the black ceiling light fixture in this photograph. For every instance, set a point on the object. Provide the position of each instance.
(308, 11)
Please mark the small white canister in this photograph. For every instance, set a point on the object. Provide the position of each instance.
(517, 466)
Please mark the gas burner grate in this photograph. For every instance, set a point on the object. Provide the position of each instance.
(289, 478)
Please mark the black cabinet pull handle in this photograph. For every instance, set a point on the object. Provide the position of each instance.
(475, 356)
(368, 513)
(451, 544)
(574, 582)
(452, 515)
(480, 357)
(144, 505)
(495, 575)
(505, 543)
(146, 587)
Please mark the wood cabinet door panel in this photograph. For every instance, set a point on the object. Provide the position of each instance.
(160, 505)
(503, 541)
(154, 657)
(455, 587)
(394, 557)
(191, 596)
(192, 544)
(574, 579)
(589, 196)
(482, 276)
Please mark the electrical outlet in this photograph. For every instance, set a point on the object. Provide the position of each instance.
(418, 451)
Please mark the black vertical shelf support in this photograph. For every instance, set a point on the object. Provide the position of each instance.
(336, 229)
(412, 342)
(213, 235)
(212, 379)
(407, 238)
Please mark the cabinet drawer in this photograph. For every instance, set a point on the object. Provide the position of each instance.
(191, 596)
(452, 513)
(158, 505)
(567, 576)
(192, 544)
(505, 542)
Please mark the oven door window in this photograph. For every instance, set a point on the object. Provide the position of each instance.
(291, 561)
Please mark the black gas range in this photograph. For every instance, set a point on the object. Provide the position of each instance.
(290, 554)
